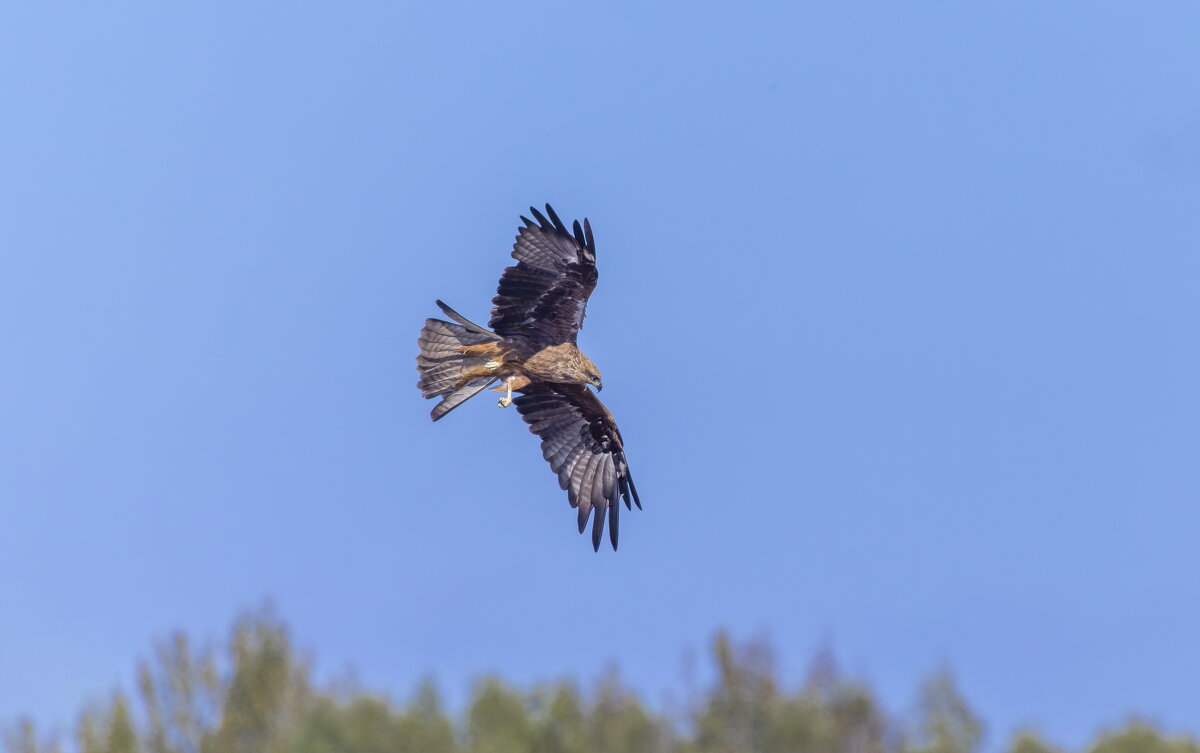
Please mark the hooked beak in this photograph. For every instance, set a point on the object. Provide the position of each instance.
(599, 386)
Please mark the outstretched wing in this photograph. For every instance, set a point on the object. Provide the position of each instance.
(545, 295)
(583, 445)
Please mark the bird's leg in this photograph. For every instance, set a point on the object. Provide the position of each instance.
(507, 399)
(479, 371)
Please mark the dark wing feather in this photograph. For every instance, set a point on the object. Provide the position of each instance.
(544, 297)
(584, 447)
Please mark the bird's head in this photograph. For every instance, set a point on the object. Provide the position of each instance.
(591, 373)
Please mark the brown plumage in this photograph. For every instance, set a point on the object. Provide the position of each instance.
(537, 313)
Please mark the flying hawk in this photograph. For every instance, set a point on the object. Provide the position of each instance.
(536, 315)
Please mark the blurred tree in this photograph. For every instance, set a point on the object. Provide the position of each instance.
(24, 739)
(561, 725)
(122, 738)
(364, 725)
(618, 722)
(736, 715)
(424, 726)
(258, 698)
(858, 724)
(1140, 737)
(498, 721)
(90, 733)
(266, 694)
(828, 715)
(182, 696)
(947, 723)
(1028, 741)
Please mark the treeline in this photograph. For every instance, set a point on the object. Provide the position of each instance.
(258, 696)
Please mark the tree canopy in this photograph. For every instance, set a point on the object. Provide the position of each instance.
(257, 696)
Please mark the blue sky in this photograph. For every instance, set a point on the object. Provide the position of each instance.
(897, 313)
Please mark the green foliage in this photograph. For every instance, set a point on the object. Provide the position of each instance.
(947, 723)
(617, 722)
(1140, 737)
(563, 719)
(108, 731)
(498, 721)
(256, 696)
(23, 738)
(1028, 741)
(748, 711)
(423, 725)
(368, 724)
(264, 695)
(737, 715)
(181, 694)
(365, 725)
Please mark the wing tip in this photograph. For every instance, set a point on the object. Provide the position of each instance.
(598, 528)
(558, 224)
(633, 489)
(614, 523)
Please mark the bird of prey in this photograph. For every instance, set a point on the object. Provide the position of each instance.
(530, 347)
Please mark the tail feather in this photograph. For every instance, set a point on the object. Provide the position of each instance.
(458, 397)
(442, 364)
(464, 321)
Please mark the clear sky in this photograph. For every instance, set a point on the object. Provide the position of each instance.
(897, 312)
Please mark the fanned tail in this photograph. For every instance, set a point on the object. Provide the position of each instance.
(443, 365)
